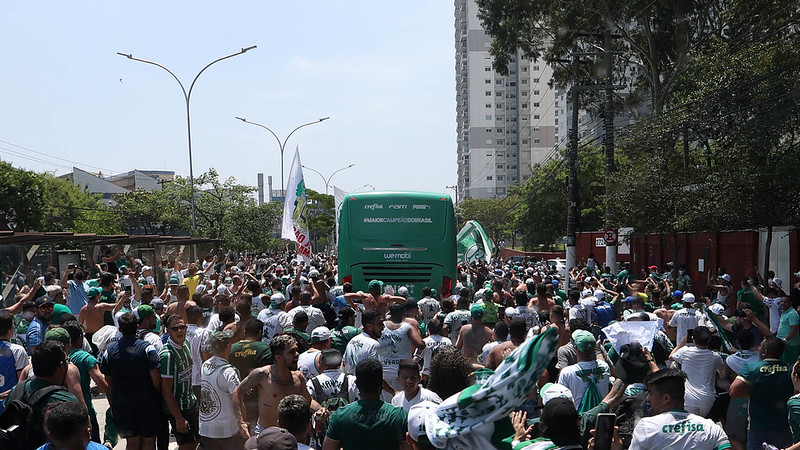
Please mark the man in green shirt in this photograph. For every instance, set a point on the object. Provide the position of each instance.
(787, 331)
(746, 295)
(346, 329)
(368, 423)
(769, 386)
(176, 385)
(89, 370)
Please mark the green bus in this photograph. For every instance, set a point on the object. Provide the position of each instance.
(400, 238)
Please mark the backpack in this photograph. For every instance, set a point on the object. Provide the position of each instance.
(22, 420)
(333, 402)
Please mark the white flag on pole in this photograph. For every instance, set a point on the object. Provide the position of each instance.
(338, 198)
(295, 223)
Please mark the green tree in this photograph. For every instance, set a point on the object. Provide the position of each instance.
(69, 208)
(494, 215)
(163, 211)
(21, 194)
(542, 209)
(321, 218)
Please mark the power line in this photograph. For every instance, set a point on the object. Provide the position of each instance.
(59, 158)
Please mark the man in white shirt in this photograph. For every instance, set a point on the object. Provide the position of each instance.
(365, 345)
(686, 318)
(700, 364)
(588, 374)
(332, 382)
(221, 427)
(432, 344)
(308, 361)
(408, 377)
(199, 341)
(428, 305)
(672, 427)
(315, 316)
(275, 319)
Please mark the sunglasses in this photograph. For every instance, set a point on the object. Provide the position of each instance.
(178, 328)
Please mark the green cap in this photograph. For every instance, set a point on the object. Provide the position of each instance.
(144, 311)
(375, 284)
(476, 310)
(57, 334)
(584, 340)
(94, 292)
(434, 293)
(58, 312)
(174, 280)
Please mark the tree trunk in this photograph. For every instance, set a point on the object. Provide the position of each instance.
(767, 251)
(675, 255)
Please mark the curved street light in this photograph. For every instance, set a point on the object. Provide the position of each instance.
(187, 95)
(327, 180)
(282, 144)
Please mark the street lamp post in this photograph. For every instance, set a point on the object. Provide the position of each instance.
(187, 95)
(328, 180)
(282, 144)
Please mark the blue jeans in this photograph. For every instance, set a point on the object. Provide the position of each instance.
(778, 438)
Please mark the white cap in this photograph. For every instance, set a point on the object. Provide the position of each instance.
(145, 268)
(689, 298)
(277, 298)
(586, 293)
(512, 312)
(313, 273)
(778, 282)
(717, 308)
(223, 290)
(600, 295)
(416, 418)
(554, 390)
(320, 334)
(726, 277)
(402, 290)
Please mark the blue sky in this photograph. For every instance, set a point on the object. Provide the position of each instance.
(383, 71)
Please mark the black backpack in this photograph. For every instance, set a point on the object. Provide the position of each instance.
(332, 402)
(22, 420)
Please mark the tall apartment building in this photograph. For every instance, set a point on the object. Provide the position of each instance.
(504, 123)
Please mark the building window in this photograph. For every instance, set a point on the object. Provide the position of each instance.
(535, 67)
(489, 178)
(523, 81)
(524, 93)
(488, 105)
(524, 142)
(524, 69)
(488, 81)
(489, 117)
(488, 130)
(489, 93)
(537, 129)
(500, 177)
(499, 106)
(498, 94)
(535, 116)
(525, 105)
(535, 92)
(487, 69)
(500, 142)
(499, 130)
(535, 105)
(498, 82)
(500, 166)
(535, 140)
(535, 80)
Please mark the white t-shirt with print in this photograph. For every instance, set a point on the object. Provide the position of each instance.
(361, 347)
(275, 322)
(678, 430)
(685, 319)
(331, 382)
(315, 316)
(737, 360)
(218, 379)
(569, 378)
(432, 344)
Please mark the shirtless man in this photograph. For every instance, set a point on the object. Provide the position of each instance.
(517, 330)
(273, 383)
(91, 315)
(377, 300)
(183, 302)
(472, 337)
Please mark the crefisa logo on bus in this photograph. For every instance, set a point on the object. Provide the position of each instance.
(404, 255)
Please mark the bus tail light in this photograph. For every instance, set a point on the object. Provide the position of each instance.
(447, 287)
(347, 279)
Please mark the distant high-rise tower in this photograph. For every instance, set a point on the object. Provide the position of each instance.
(504, 123)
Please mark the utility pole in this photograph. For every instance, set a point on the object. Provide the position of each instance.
(455, 189)
(608, 142)
(574, 195)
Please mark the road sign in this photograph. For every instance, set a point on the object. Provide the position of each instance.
(610, 237)
(568, 240)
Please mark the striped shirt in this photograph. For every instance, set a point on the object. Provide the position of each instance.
(176, 363)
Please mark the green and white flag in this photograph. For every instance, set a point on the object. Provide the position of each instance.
(295, 220)
(472, 409)
(473, 244)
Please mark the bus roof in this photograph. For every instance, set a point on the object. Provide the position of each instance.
(414, 194)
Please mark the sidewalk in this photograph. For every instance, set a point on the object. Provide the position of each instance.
(101, 405)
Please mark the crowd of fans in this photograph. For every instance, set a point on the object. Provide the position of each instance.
(263, 352)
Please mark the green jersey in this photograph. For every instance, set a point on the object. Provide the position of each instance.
(770, 389)
(84, 362)
(176, 363)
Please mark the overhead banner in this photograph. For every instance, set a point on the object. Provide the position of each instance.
(473, 244)
(295, 211)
